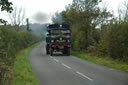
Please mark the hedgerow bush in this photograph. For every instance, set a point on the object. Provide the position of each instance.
(12, 41)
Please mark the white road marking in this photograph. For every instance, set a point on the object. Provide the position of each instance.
(66, 66)
(111, 69)
(71, 68)
(56, 60)
(84, 76)
(51, 57)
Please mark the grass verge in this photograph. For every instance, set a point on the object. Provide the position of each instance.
(106, 61)
(23, 74)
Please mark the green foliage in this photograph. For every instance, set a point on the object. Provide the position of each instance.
(92, 50)
(102, 44)
(118, 42)
(5, 6)
(3, 21)
(11, 42)
(84, 16)
(101, 48)
(106, 61)
(22, 69)
(96, 31)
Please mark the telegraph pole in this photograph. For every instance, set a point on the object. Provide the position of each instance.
(27, 20)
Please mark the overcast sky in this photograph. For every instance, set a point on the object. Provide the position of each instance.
(49, 7)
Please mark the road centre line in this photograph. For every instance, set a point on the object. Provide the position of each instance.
(111, 69)
(66, 66)
(51, 57)
(84, 76)
(70, 68)
(56, 60)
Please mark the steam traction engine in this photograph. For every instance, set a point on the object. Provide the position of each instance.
(58, 39)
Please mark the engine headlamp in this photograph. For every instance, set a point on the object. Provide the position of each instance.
(52, 40)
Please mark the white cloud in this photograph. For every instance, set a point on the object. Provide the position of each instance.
(48, 6)
(51, 6)
(45, 6)
(113, 5)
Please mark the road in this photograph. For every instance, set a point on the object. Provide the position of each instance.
(70, 70)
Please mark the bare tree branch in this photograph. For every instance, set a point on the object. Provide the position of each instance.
(17, 17)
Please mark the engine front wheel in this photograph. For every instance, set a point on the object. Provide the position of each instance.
(47, 49)
(68, 52)
(47, 52)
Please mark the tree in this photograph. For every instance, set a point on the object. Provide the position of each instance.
(81, 15)
(17, 17)
(5, 6)
(126, 11)
(89, 24)
(123, 12)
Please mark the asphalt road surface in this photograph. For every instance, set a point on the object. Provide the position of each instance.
(69, 70)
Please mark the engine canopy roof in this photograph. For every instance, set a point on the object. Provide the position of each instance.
(58, 26)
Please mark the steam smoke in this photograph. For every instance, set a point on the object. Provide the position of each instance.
(42, 18)
(57, 18)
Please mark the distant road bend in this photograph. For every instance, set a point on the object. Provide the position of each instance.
(70, 70)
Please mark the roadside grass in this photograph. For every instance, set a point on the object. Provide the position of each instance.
(106, 61)
(23, 74)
